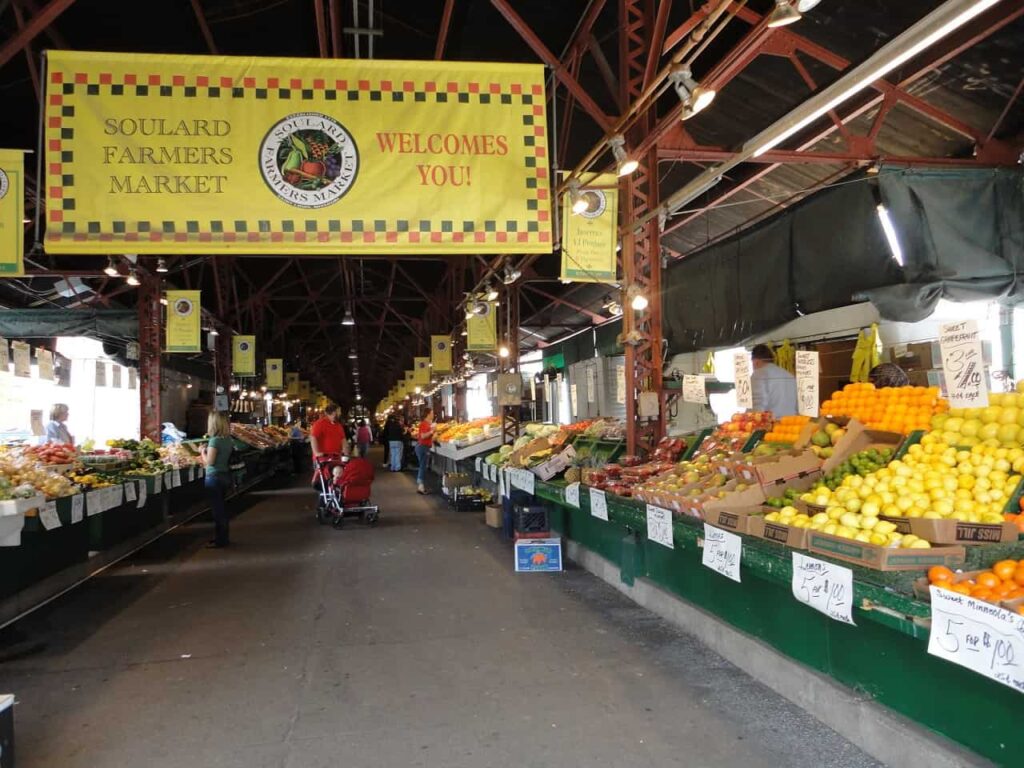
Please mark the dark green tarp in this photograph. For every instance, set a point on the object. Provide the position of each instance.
(47, 323)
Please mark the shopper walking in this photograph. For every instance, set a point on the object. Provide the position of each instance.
(56, 429)
(772, 388)
(425, 439)
(394, 434)
(363, 438)
(216, 456)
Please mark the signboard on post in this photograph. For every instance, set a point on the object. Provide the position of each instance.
(12, 213)
(243, 355)
(481, 326)
(589, 238)
(741, 376)
(964, 364)
(183, 321)
(807, 399)
(694, 390)
(158, 154)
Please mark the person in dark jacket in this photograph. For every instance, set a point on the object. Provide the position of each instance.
(394, 434)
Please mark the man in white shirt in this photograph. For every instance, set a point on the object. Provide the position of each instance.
(773, 388)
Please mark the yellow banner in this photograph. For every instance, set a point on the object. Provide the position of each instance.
(275, 373)
(441, 354)
(291, 382)
(482, 327)
(410, 382)
(243, 355)
(193, 154)
(183, 322)
(421, 370)
(12, 213)
(304, 393)
(589, 238)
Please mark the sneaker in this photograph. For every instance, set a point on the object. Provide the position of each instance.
(421, 489)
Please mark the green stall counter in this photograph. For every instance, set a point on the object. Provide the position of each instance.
(884, 656)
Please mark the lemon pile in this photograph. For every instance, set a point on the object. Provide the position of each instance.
(837, 521)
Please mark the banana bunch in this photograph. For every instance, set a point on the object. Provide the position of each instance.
(785, 356)
(709, 364)
(867, 354)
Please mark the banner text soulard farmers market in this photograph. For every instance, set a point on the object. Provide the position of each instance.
(210, 155)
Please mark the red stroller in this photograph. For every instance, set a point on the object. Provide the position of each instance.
(347, 494)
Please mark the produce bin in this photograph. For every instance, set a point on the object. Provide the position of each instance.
(43, 553)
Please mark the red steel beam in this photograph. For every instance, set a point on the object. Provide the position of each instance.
(698, 154)
(36, 24)
(557, 67)
(33, 72)
(204, 28)
(334, 6)
(321, 27)
(657, 38)
(442, 33)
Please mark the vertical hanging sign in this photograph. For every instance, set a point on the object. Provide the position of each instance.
(22, 359)
(275, 373)
(115, 375)
(964, 364)
(421, 371)
(304, 393)
(101, 373)
(291, 382)
(807, 400)
(5, 355)
(243, 355)
(133, 378)
(183, 322)
(441, 354)
(589, 237)
(12, 213)
(44, 359)
(481, 325)
(741, 375)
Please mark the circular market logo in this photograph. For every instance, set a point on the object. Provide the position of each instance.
(183, 307)
(441, 346)
(309, 160)
(243, 346)
(597, 203)
(5, 184)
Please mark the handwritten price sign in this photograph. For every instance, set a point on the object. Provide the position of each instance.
(722, 551)
(741, 375)
(598, 504)
(980, 636)
(659, 526)
(962, 359)
(572, 495)
(807, 383)
(823, 586)
(694, 390)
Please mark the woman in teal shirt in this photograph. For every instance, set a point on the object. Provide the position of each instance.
(216, 455)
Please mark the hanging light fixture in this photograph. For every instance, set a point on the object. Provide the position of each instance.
(111, 269)
(214, 332)
(692, 94)
(133, 278)
(805, 5)
(637, 300)
(163, 300)
(624, 164)
(491, 291)
(348, 319)
(579, 202)
(503, 351)
(784, 13)
(352, 355)
(161, 265)
(464, 332)
(511, 274)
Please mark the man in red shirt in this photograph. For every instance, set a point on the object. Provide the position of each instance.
(425, 439)
(327, 436)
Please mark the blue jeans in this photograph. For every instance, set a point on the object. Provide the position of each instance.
(395, 446)
(422, 456)
(216, 489)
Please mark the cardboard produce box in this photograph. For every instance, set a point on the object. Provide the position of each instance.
(883, 558)
(735, 520)
(859, 438)
(787, 535)
(766, 470)
(492, 515)
(958, 532)
(558, 463)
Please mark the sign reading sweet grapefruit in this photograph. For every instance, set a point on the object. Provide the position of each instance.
(191, 154)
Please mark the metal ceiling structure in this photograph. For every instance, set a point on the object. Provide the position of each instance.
(955, 103)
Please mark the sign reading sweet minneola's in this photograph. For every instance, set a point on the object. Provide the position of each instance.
(188, 154)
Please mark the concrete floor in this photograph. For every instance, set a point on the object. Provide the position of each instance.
(411, 644)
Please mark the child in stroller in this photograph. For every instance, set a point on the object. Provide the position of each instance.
(343, 487)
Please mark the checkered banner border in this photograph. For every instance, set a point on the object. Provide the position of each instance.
(66, 88)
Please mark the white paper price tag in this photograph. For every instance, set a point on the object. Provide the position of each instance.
(202, 472)
(964, 364)
(659, 526)
(94, 502)
(191, 473)
(524, 479)
(168, 480)
(598, 504)
(477, 462)
(980, 636)
(48, 515)
(130, 491)
(824, 587)
(142, 495)
(158, 481)
(741, 375)
(176, 478)
(694, 390)
(572, 494)
(807, 383)
(722, 551)
(77, 503)
(117, 496)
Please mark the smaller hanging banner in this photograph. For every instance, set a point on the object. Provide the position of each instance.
(441, 353)
(5, 355)
(101, 373)
(482, 327)
(589, 238)
(304, 393)
(291, 383)
(275, 373)
(133, 378)
(421, 368)
(115, 376)
(44, 359)
(22, 359)
(183, 326)
(12, 213)
(243, 355)
(410, 381)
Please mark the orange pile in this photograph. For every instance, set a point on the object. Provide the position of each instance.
(893, 409)
(787, 429)
(1005, 581)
